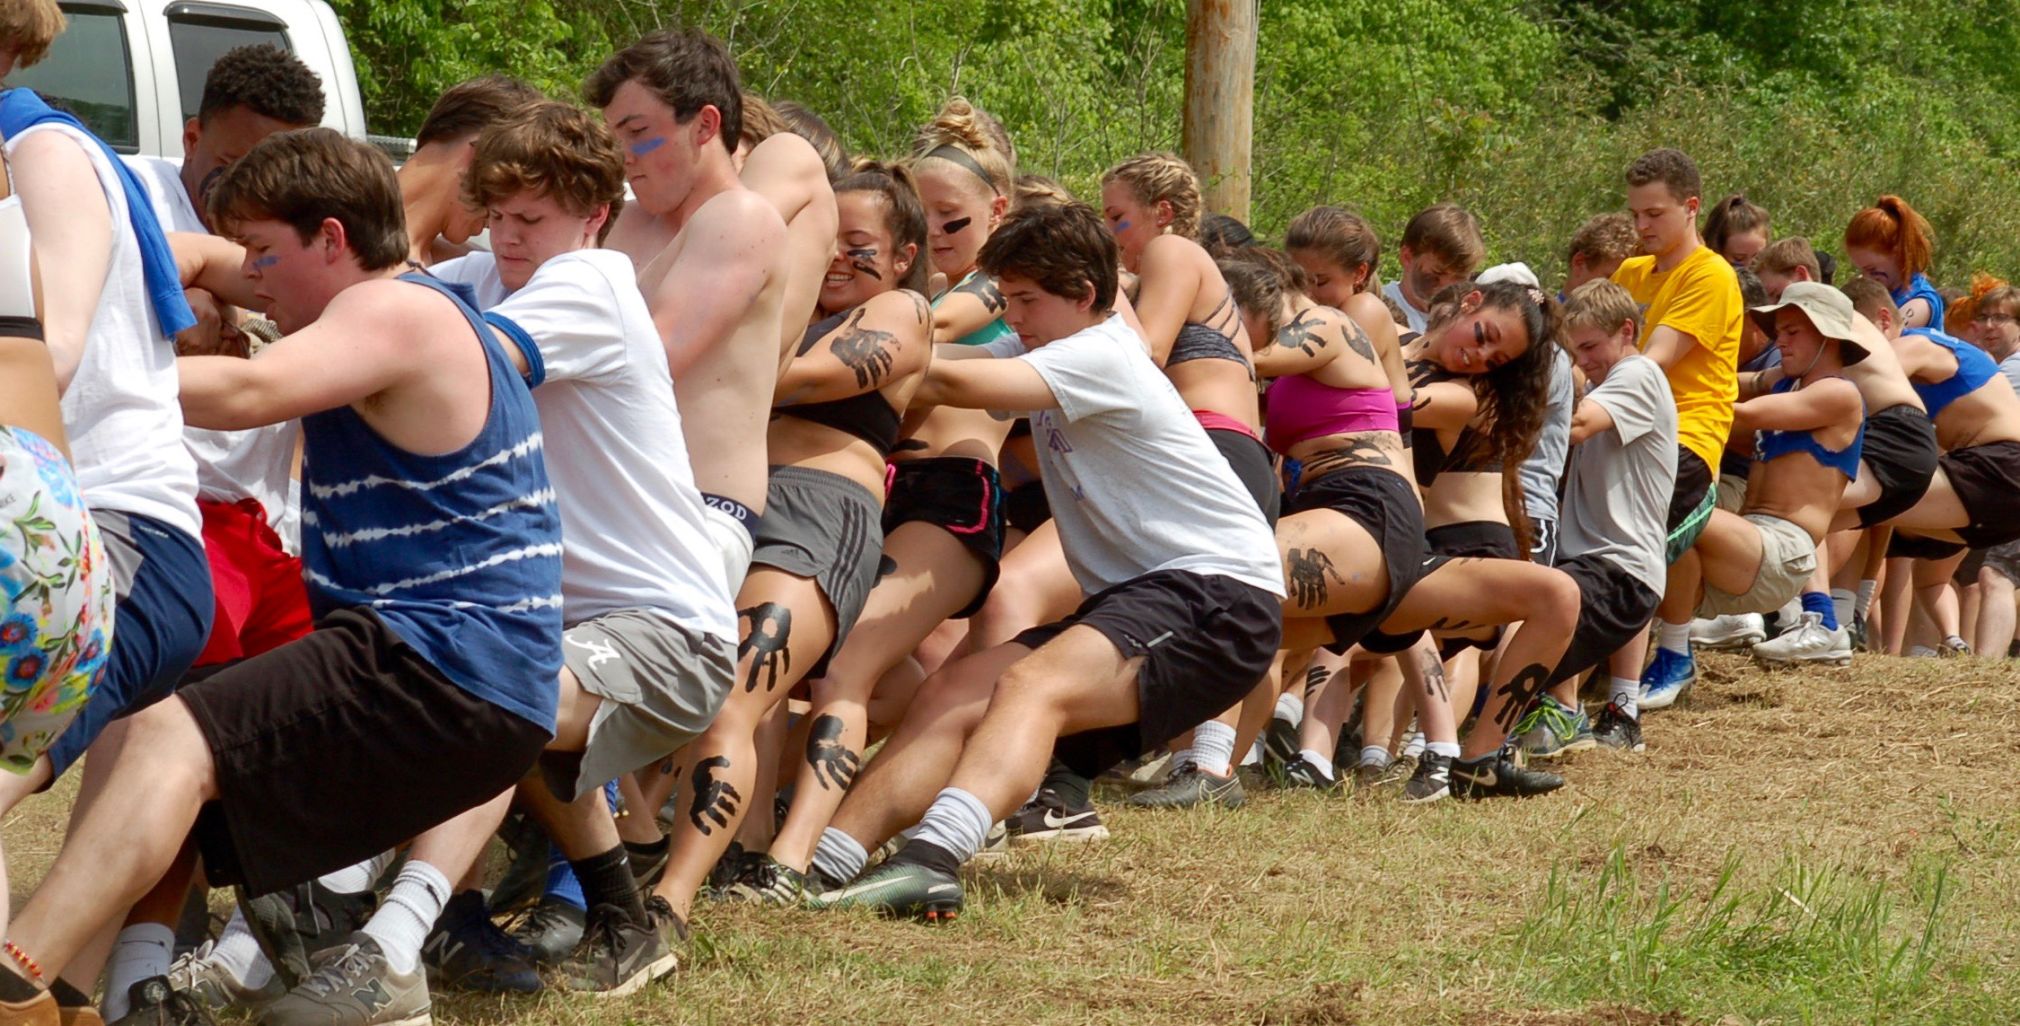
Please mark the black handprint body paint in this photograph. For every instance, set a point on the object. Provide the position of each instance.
(1433, 671)
(715, 799)
(1302, 334)
(771, 624)
(1365, 450)
(1307, 575)
(866, 351)
(1521, 690)
(983, 287)
(1358, 341)
(834, 765)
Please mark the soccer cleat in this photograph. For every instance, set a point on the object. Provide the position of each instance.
(1619, 730)
(1731, 631)
(1496, 775)
(767, 881)
(1551, 730)
(1300, 772)
(1431, 781)
(153, 1002)
(1808, 642)
(901, 889)
(550, 931)
(1048, 818)
(1189, 786)
(207, 980)
(467, 951)
(295, 923)
(620, 955)
(353, 985)
(1667, 679)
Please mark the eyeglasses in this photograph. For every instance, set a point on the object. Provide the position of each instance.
(1995, 318)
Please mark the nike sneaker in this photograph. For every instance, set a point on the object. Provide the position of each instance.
(1667, 679)
(1552, 730)
(1497, 775)
(550, 930)
(1189, 786)
(152, 1002)
(1809, 642)
(1431, 781)
(353, 984)
(1618, 730)
(1728, 632)
(1280, 741)
(1300, 773)
(293, 924)
(467, 951)
(902, 889)
(620, 955)
(1048, 818)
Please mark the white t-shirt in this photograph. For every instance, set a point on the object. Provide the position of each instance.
(480, 272)
(1134, 483)
(631, 517)
(162, 178)
(1418, 319)
(122, 408)
(1617, 492)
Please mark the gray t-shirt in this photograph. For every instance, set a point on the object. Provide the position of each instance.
(1617, 492)
(2010, 367)
(1546, 463)
(1134, 483)
(1418, 319)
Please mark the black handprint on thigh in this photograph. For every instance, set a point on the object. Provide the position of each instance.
(1309, 569)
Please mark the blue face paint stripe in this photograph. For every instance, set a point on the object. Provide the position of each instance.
(645, 146)
(1123, 226)
(262, 263)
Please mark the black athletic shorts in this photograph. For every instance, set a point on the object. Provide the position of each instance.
(1026, 507)
(338, 746)
(1900, 450)
(1205, 639)
(1915, 546)
(1386, 506)
(1250, 460)
(1691, 505)
(1986, 479)
(1467, 539)
(961, 496)
(1613, 607)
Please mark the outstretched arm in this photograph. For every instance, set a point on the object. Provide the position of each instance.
(354, 351)
(1003, 386)
(215, 265)
(1831, 402)
(1666, 346)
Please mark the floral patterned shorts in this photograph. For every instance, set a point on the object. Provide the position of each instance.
(56, 598)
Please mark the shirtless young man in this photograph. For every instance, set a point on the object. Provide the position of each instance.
(714, 263)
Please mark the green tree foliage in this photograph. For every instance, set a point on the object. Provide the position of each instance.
(1524, 112)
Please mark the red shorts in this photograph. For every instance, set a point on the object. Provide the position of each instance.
(262, 603)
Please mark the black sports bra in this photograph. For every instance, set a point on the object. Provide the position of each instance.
(867, 416)
(1198, 341)
(1471, 453)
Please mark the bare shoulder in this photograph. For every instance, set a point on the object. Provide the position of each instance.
(1167, 252)
(784, 157)
(737, 223)
(900, 306)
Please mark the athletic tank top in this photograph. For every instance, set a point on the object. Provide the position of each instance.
(1918, 287)
(866, 416)
(1300, 408)
(17, 285)
(1471, 453)
(1196, 341)
(459, 553)
(1974, 368)
(994, 331)
(1772, 444)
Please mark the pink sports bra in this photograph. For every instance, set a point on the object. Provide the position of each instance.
(1300, 408)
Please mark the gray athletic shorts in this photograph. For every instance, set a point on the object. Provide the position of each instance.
(2004, 560)
(1788, 557)
(661, 683)
(828, 528)
(1731, 492)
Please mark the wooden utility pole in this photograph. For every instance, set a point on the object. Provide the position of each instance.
(1220, 42)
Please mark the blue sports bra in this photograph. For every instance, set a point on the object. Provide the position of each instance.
(1974, 368)
(1772, 444)
(1918, 287)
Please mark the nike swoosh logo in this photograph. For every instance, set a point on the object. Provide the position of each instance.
(943, 888)
(1055, 821)
(1484, 779)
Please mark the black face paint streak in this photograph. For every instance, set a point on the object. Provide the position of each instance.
(765, 642)
(1302, 335)
(715, 799)
(954, 227)
(1521, 691)
(867, 351)
(863, 260)
(886, 566)
(983, 287)
(1309, 569)
(1433, 671)
(834, 765)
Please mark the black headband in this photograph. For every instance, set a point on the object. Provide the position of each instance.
(957, 155)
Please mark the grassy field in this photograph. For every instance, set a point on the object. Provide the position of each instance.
(1824, 847)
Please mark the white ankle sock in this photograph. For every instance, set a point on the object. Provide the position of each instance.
(359, 878)
(1862, 603)
(143, 950)
(1843, 602)
(1290, 707)
(238, 952)
(839, 856)
(1626, 694)
(403, 920)
(1318, 761)
(1213, 747)
(1374, 755)
(1673, 636)
(1448, 749)
(957, 822)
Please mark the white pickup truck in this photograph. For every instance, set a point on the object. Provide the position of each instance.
(133, 70)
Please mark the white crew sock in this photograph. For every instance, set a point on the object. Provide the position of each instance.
(402, 922)
(359, 878)
(1627, 694)
(1290, 707)
(1448, 749)
(1862, 603)
(1673, 636)
(238, 953)
(957, 822)
(1255, 754)
(1843, 602)
(1213, 747)
(1374, 755)
(143, 950)
(839, 856)
(1317, 761)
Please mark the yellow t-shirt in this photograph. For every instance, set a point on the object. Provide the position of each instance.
(1699, 297)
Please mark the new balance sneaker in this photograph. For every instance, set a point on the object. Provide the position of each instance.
(295, 923)
(902, 889)
(1300, 772)
(1497, 775)
(153, 1002)
(197, 974)
(1667, 679)
(1551, 730)
(767, 881)
(620, 955)
(1189, 786)
(354, 985)
(467, 951)
(550, 931)
(1730, 631)
(1431, 781)
(1618, 730)
(1049, 818)
(1808, 642)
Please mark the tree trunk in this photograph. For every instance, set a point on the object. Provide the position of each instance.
(1220, 44)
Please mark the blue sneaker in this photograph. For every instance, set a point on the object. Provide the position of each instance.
(1666, 679)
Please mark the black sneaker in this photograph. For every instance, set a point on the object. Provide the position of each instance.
(1189, 786)
(1497, 775)
(152, 1002)
(1431, 781)
(467, 951)
(1861, 640)
(550, 931)
(620, 955)
(728, 870)
(648, 863)
(292, 924)
(902, 889)
(1048, 818)
(1617, 729)
(1299, 772)
(1280, 741)
(767, 881)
